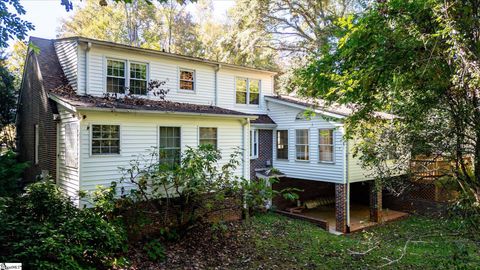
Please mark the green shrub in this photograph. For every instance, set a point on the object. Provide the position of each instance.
(155, 251)
(44, 230)
(10, 173)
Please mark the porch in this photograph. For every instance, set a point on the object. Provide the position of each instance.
(339, 208)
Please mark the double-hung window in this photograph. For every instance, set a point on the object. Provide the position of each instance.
(105, 139)
(325, 145)
(118, 82)
(247, 91)
(116, 76)
(282, 144)
(208, 136)
(254, 143)
(301, 146)
(169, 147)
(138, 79)
(187, 80)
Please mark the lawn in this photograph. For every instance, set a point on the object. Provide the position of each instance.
(270, 241)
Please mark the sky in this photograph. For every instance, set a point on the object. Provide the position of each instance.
(47, 14)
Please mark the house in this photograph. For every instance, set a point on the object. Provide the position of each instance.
(70, 127)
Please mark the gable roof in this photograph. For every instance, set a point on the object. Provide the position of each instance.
(163, 53)
(57, 86)
(322, 107)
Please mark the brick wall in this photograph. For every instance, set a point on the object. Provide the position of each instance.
(265, 140)
(375, 202)
(341, 207)
(34, 108)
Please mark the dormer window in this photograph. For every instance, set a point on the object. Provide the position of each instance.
(117, 80)
(116, 76)
(187, 80)
(247, 91)
(138, 79)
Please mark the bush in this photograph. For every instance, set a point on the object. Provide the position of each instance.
(155, 251)
(10, 173)
(44, 230)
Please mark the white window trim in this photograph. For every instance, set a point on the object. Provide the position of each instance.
(106, 76)
(181, 138)
(276, 145)
(254, 144)
(147, 78)
(127, 74)
(36, 143)
(194, 91)
(308, 145)
(333, 146)
(218, 135)
(248, 91)
(90, 131)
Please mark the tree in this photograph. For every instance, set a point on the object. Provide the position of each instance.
(16, 60)
(7, 105)
(12, 26)
(418, 60)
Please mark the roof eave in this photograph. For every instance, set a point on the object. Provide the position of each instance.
(296, 105)
(165, 54)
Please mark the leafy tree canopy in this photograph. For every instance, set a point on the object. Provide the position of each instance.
(418, 60)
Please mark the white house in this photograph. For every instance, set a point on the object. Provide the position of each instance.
(68, 127)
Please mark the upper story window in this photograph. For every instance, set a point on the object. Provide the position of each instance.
(254, 143)
(301, 146)
(247, 91)
(325, 145)
(187, 80)
(208, 136)
(282, 144)
(170, 149)
(116, 76)
(138, 79)
(105, 139)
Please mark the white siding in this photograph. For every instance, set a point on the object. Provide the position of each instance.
(67, 56)
(285, 118)
(167, 69)
(355, 171)
(139, 133)
(67, 174)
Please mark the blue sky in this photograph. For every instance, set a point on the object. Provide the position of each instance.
(46, 14)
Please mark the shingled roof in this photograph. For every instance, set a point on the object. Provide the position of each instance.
(56, 84)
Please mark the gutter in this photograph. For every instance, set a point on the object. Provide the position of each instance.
(217, 68)
(87, 68)
(347, 180)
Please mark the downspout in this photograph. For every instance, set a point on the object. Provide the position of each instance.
(217, 68)
(347, 181)
(245, 128)
(87, 68)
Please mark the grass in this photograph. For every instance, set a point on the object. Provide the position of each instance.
(413, 243)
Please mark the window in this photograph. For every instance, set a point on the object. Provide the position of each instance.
(36, 142)
(247, 91)
(254, 143)
(187, 80)
(254, 87)
(302, 144)
(138, 79)
(115, 76)
(282, 144)
(169, 150)
(325, 145)
(105, 139)
(208, 136)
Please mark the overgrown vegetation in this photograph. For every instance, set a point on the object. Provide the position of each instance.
(10, 174)
(44, 230)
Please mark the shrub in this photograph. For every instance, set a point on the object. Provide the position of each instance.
(44, 230)
(10, 173)
(155, 251)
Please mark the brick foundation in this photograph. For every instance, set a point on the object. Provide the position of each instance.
(341, 193)
(375, 202)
